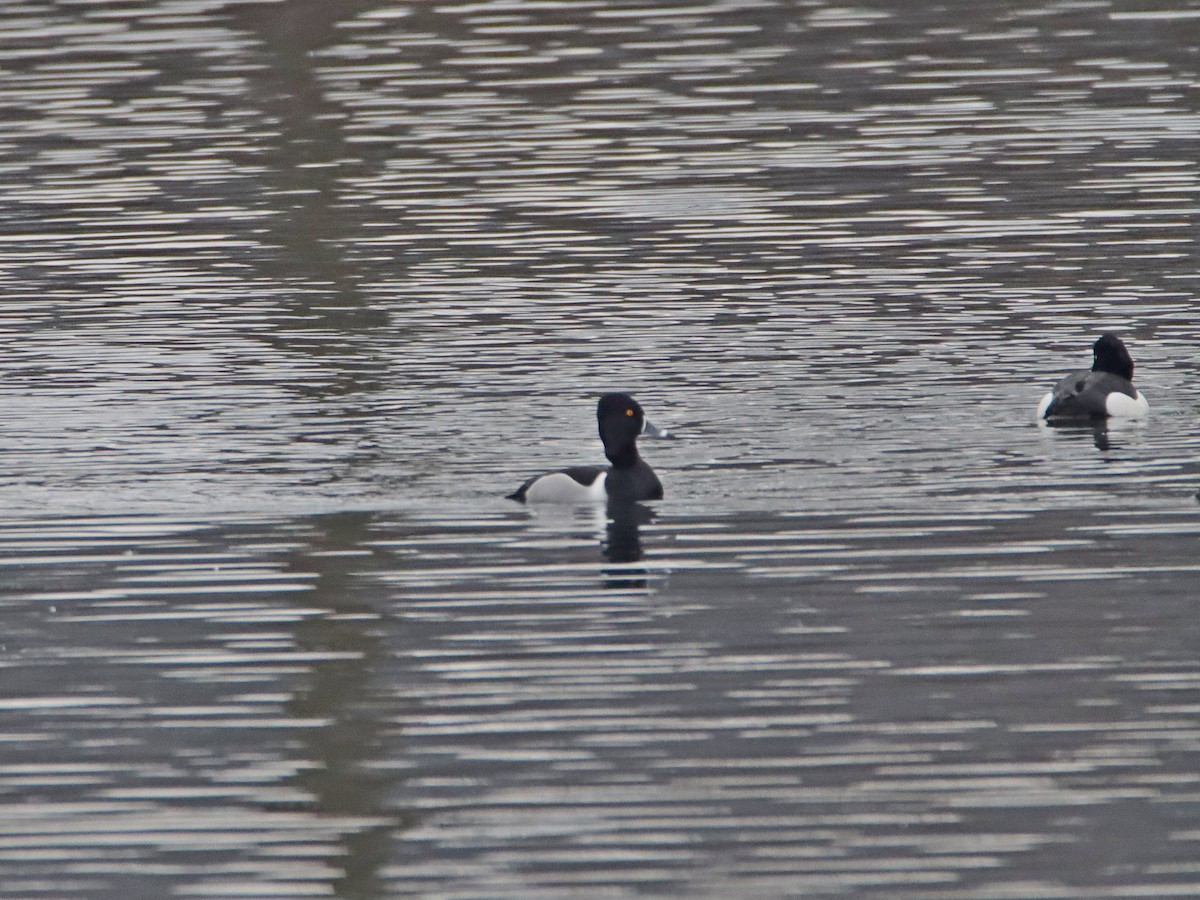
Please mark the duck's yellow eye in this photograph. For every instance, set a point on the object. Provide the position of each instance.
(629, 412)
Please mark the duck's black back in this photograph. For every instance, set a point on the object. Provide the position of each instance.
(1084, 395)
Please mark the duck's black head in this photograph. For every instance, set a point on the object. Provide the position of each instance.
(1111, 356)
(621, 420)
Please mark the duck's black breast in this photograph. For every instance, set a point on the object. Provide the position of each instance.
(637, 482)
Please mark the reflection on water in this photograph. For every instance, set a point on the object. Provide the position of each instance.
(1105, 434)
(622, 531)
(380, 704)
(294, 291)
(338, 778)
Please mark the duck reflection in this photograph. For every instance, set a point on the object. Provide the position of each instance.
(622, 534)
(1105, 433)
(622, 544)
(616, 527)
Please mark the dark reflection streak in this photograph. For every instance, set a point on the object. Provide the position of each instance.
(1098, 431)
(305, 167)
(623, 543)
(339, 691)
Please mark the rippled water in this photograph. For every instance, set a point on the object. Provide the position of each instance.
(294, 292)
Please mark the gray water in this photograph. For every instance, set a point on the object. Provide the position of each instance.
(292, 293)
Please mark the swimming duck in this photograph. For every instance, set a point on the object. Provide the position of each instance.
(629, 478)
(1105, 391)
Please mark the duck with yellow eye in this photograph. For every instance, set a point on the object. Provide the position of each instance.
(629, 478)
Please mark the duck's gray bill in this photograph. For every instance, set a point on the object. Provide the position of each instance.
(650, 430)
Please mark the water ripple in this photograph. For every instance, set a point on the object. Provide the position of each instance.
(294, 293)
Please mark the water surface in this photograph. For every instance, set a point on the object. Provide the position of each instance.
(294, 293)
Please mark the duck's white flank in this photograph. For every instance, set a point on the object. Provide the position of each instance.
(558, 487)
(1122, 406)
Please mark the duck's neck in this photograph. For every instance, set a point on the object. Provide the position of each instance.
(1115, 368)
(624, 458)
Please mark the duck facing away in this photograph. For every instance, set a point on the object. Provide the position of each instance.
(1106, 391)
(629, 478)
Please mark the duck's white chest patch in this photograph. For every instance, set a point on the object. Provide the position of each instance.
(558, 487)
(1122, 406)
(1045, 404)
